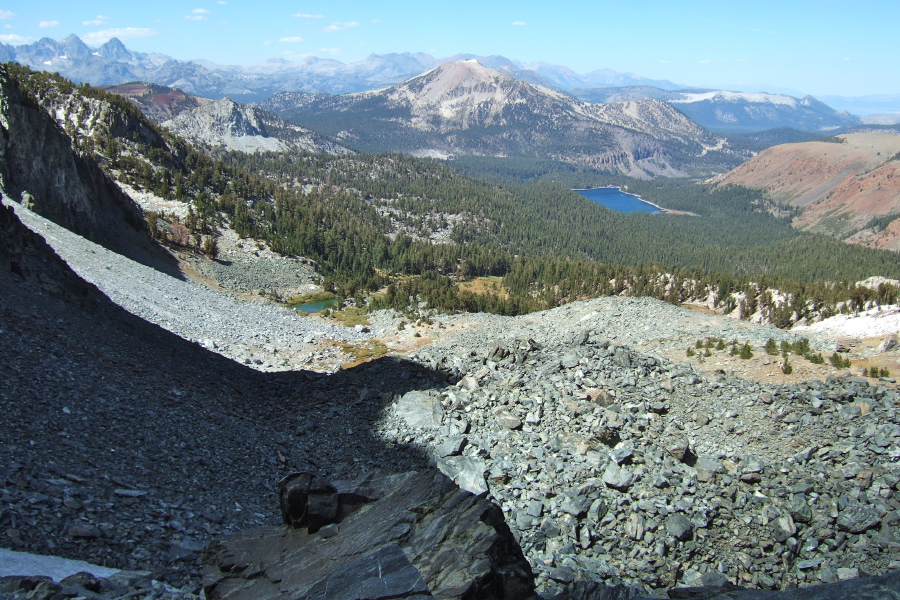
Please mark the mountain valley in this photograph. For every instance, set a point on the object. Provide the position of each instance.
(514, 392)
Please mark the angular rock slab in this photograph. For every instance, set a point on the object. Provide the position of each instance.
(419, 410)
(420, 537)
(467, 472)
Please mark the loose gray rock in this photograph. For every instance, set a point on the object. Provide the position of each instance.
(858, 518)
(679, 527)
(419, 410)
(617, 477)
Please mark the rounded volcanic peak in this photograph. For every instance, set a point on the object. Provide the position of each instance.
(467, 94)
(456, 79)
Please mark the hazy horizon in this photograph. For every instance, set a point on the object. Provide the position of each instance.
(818, 47)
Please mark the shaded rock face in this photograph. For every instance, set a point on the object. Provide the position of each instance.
(39, 168)
(412, 535)
(28, 256)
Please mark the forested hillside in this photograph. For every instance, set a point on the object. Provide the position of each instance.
(420, 227)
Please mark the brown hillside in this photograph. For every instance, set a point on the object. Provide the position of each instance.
(839, 186)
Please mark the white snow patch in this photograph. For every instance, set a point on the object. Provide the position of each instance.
(737, 96)
(54, 567)
(875, 322)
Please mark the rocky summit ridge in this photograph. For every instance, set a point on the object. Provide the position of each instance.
(221, 123)
(464, 108)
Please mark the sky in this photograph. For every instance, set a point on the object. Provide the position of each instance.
(818, 47)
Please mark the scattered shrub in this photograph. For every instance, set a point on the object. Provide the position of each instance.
(839, 362)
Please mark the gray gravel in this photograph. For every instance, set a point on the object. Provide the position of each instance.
(249, 267)
(261, 334)
(620, 466)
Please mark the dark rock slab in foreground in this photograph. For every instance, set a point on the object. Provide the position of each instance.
(420, 536)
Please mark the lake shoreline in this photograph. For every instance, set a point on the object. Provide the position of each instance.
(660, 209)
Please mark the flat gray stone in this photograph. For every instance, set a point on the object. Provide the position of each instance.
(419, 410)
(858, 518)
(467, 472)
(679, 527)
(617, 477)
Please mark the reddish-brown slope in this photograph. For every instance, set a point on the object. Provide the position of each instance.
(839, 186)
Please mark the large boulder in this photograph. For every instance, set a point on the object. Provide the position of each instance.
(412, 535)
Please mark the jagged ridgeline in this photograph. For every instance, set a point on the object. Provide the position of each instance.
(419, 226)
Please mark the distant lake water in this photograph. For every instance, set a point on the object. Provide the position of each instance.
(318, 306)
(617, 200)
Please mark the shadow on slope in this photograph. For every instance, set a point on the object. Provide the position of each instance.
(127, 446)
(39, 168)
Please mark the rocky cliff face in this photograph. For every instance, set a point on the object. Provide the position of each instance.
(224, 122)
(241, 127)
(40, 168)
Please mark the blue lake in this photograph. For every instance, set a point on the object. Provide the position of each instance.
(619, 201)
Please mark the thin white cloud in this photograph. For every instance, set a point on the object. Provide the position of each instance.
(123, 33)
(291, 40)
(337, 26)
(222, 2)
(847, 59)
(48, 24)
(519, 23)
(376, 20)
(200, 11)
(704, 62)
(308, 16)
(196, 18)
(94, 22)
(6, 14)
(14, 38)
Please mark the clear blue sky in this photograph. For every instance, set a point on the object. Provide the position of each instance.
(840, 47)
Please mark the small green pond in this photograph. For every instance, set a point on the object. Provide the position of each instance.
(318, 306)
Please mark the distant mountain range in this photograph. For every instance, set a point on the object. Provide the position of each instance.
(717, 110)
(735, 112)
(112, 63)
(466, 108)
